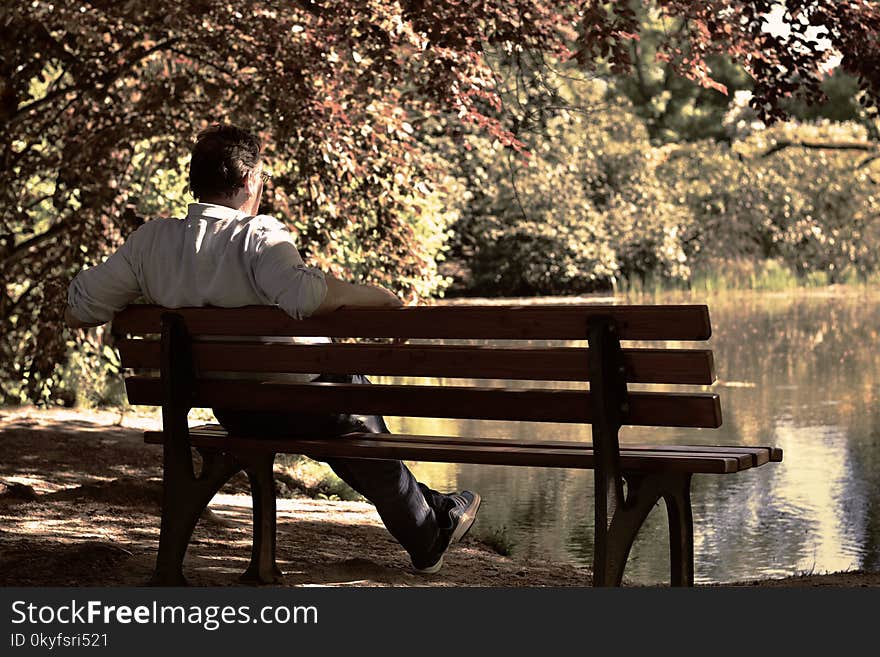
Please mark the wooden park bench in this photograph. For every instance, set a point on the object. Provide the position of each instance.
(173, 369)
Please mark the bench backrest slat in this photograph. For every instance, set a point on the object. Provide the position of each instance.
(234, 340)
(645, 408)
(561, 322)
(681, 366)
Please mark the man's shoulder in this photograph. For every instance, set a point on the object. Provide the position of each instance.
(265, 222)
(268, 232)
(159, 223)
(149, 231)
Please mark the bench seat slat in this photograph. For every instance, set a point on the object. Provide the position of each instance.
(539, 457)
(645, 408)
(510, 454)
(746, 456)
(692, 458)
(546, 322)
(680, 366)
(760, 454)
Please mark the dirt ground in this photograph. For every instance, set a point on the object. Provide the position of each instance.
(79, 506)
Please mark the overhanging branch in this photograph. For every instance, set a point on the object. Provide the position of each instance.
(19, 251)
(865, 146)
(107, 79)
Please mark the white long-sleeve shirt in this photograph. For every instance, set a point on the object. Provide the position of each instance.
(215, 256)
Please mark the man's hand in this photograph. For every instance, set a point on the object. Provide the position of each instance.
(390, 299)
(341, 294)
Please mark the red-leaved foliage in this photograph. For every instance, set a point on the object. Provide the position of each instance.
(345, 93)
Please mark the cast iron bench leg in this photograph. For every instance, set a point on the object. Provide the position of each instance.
(644, 491)
(184, 498)
(263, 568)
(681, 530)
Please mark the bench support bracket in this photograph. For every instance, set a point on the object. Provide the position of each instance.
(620, 513)
(263, 568)
(184, 495)
(184, 499)
(644, 490)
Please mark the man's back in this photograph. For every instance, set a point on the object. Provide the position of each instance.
(215, 256)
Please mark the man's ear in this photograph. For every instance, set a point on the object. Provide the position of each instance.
(250, 183)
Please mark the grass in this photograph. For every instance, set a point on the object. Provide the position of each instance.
(312, 479)
(498, 541)
(724, 275)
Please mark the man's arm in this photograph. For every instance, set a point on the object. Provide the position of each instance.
(96, 294)
(340, 293)
(71, 320)
(283, 278)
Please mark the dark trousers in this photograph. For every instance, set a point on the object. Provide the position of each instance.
(409, 509)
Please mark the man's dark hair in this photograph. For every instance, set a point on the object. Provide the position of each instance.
(222, 157)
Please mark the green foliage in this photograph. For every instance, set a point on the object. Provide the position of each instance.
(583, 212)
(370, 247)
(88, 376)
(671, 106)
(816, 211)
(597, 206)
(91, 376)
(553, 244)
(674, 109)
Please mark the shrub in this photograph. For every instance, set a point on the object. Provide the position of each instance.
(586, 210)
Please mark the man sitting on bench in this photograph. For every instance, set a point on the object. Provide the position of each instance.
(223, 253)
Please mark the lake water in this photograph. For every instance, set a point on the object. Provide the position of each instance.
(797, 370)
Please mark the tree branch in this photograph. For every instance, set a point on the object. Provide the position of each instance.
(109, 77)
(18, 252)
(865, 146)
(204, 62)
(640, 74)
(867, 161)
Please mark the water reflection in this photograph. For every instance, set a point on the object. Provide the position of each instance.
(796, 370)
